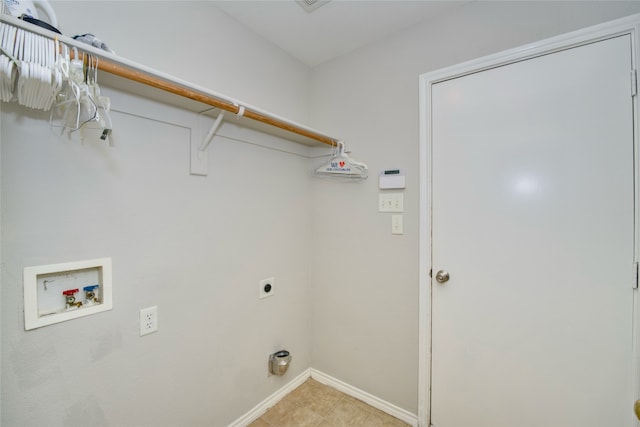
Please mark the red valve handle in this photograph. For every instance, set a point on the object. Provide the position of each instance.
(69, 292)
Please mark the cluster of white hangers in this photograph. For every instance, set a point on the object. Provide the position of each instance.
(342, 166)
(28, 68)
(39, 73)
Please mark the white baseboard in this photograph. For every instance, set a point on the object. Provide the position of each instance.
(323, 378)
(367, 398)
(271, 401)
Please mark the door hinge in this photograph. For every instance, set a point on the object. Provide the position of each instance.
(635, 275)
(634, 82)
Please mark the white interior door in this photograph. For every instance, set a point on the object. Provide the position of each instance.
(533, 218)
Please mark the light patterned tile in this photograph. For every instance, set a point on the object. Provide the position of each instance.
(314, 404)
(317, 390)
(299, 416)
(347, 414)
(303, 393)
(378, 416)
(259, 423)
(326, 390)
(381, 419)
(274, 415)
(322, 407)
(360, 404)
(314, 396)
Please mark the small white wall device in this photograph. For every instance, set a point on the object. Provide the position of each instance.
(392, 179)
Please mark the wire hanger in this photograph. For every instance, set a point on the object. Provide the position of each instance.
(342, 166)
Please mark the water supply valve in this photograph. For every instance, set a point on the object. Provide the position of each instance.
(91, 294)
(70, 299)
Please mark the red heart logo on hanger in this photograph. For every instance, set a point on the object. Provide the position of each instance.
(342, 164)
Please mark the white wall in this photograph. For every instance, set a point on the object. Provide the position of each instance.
(195, 246)
(195, 41)
(365, 280)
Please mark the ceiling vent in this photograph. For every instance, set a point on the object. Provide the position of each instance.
(311, 5)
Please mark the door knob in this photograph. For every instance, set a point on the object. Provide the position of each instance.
(442, 276)
(636, 408)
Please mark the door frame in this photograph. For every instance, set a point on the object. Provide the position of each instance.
(629, 25)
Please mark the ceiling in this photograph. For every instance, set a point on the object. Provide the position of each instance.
(333, 29)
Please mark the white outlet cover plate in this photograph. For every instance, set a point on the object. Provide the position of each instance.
(270, 281)
(148, 320)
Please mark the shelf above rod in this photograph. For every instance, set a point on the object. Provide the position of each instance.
(121, 67)
(167, 86)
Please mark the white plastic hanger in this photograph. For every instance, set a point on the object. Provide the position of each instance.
(342, 166)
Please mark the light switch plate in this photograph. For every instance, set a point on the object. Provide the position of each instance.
(391, 202)
(396, 224)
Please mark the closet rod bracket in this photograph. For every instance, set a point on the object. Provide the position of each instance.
(199, 162)
(212, 132)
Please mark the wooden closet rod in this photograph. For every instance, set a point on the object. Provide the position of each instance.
(167, 86)
(111, 64)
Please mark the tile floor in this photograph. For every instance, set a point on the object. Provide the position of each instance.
(316, 405)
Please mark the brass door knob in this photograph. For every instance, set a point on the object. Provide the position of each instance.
(636, 408)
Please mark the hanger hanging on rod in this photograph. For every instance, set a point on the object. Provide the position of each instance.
(342, 166)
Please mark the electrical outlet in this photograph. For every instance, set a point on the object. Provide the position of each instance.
(267, 287)
(148, 320)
